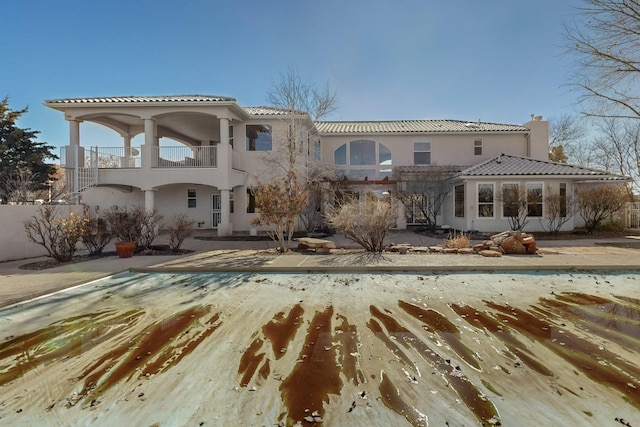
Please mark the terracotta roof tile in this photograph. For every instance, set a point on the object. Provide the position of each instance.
(141, 99)
(506, 165)
(415, 126)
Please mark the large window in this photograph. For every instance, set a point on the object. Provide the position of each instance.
(259, 138)
(534, 199)
(563, 199)
(422, 153)
(485, 200)
(362, 159)
(458, 200)
(511, 197)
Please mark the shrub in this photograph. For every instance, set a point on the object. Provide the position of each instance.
(57, 234)
(180, 228)
(134, 224)
(149, 229)
(365, 222)
(96, 235)
(124, 223)
(598, 203)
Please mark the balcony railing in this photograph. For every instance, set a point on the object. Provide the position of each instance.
(185, 157)
(118, 157)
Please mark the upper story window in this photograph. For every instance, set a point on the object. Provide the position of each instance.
(316, 149)
(231, 136)
(477, 147)
(422, 153)
(259, 138)
(363, 159)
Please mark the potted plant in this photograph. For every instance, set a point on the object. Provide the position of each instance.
(126, 227)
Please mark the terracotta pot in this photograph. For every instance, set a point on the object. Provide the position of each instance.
(125, 249)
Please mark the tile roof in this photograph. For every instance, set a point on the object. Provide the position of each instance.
(506, 165)
(141, 99)
(415, 126)
(270, 111)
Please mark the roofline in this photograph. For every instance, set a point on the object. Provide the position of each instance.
(585, 178)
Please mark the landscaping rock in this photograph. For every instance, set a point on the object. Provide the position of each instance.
(490, 253)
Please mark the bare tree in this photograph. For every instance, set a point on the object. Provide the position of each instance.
(617, 148)
(566, 136)
(606, 43)
(19, 187)
(297, 151)
(292, 93)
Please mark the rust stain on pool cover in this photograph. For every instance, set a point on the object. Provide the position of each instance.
(281, 330)
(594, 361)
(67, 338)
(437, 323)
(316, 375)
(154, 340)
(392, 400)
(482, 407)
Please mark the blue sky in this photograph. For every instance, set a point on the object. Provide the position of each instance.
(493, 60)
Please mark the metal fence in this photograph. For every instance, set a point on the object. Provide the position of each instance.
(186, 157)
(632, 215)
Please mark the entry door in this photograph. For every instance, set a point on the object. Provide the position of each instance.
(216, 212)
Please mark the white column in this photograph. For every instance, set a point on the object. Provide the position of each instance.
(225, 228)
(223, 163)
(74, 132)
(225, 156)
(149, 200)
(74, 158)
(148, 150)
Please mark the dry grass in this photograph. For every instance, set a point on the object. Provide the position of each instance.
(457, 241)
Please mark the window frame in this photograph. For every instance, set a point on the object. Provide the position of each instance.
(192, 199)
(492, 203)
(540, 202)
(504, 203)
(377, 169)
(477, 146)
(562, 191)
(252, 145)
(416, 151)
(456, 201)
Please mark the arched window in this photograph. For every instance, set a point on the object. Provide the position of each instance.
(362, 159)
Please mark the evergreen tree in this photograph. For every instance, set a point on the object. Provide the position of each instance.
(20, 151)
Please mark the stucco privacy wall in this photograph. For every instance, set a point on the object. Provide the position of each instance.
(15, 244)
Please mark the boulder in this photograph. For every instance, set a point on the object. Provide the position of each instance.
(513, 245)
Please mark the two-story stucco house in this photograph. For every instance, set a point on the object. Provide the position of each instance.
(201, 155)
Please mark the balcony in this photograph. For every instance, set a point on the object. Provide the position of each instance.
(185, 157)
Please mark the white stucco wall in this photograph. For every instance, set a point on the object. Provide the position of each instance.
(15, 244)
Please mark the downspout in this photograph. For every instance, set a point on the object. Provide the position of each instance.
(528, 144)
